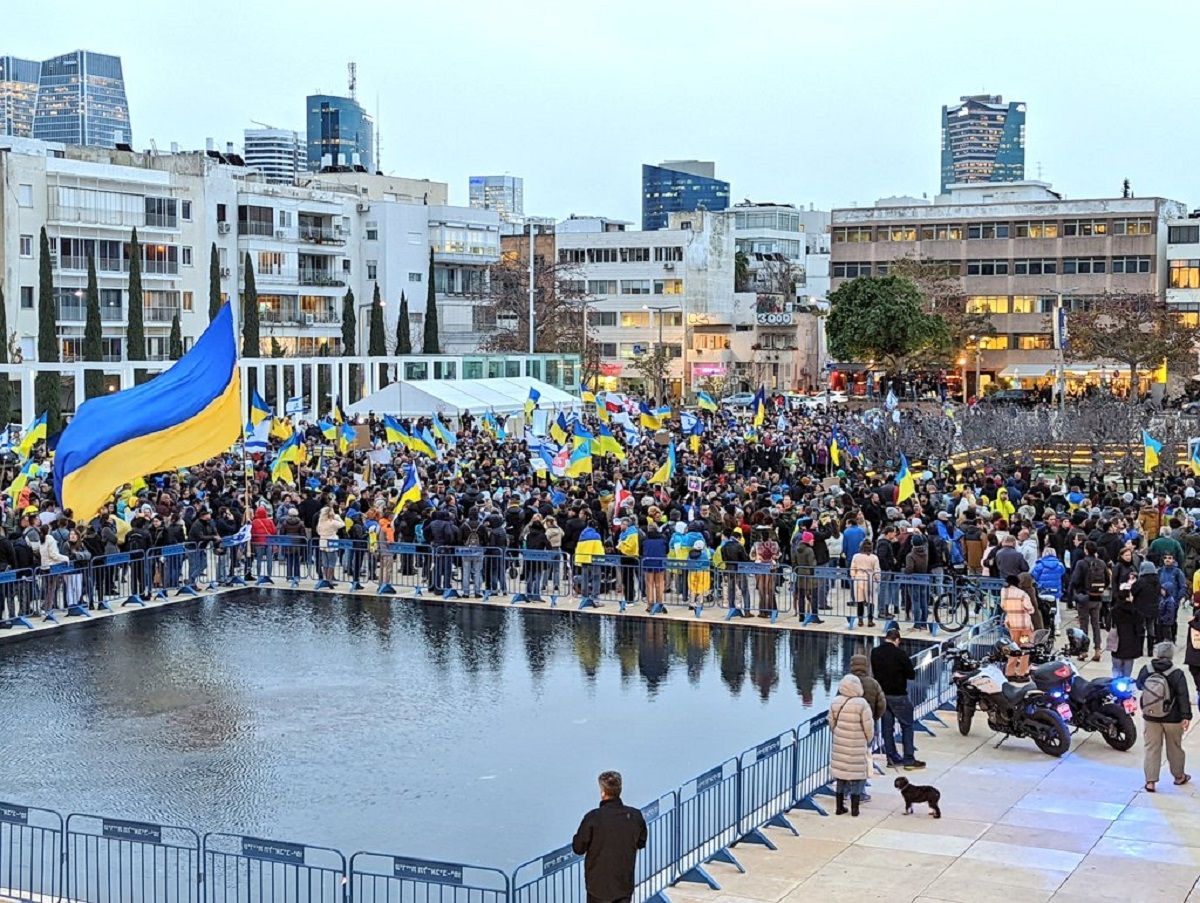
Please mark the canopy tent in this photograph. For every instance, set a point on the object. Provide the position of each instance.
(451, 397)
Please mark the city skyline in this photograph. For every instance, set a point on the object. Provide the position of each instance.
(853, 120)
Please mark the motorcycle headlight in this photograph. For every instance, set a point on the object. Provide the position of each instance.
(1122, 687)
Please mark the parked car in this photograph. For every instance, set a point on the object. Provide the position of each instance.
(1190, 407)
(738, 400)
(1018, 397)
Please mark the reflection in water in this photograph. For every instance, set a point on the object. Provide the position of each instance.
(459, 732)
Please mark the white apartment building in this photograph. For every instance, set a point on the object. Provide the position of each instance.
(275, 154)
(1183, 267)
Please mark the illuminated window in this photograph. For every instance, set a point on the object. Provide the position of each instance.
(1085, 227)
(1132, 227)
(853, 235)
(635, 319)
(1023, 304)
(1034, 342)
(1190, 319)
(993, 343)
(898, 233)
(1184, 274)
(668, 286)
(1035, 230)
(987, 304)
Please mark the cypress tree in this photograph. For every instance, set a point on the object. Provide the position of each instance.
(5, 385)
(324, 381)
(175, 344)
(214, 283)
(47, 387)
(349, 323)
(403, 330)
(93, 346)
(376, 343)
(276, 349)
(430, 345)
(135, 333)
(250, 340)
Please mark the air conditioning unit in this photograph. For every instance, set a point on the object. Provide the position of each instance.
(362, 207)
(279, 233)
(668, 266)
(222, 228)
(224, 272)
(309, 319)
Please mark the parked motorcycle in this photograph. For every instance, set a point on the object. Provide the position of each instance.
(1016, 710)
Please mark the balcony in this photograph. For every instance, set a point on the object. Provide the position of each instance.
(160, 314)
(322, 235)
(292, 316)
(325, 278)
(77, 313)
(256, 228)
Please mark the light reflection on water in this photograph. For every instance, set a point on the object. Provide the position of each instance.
(452, 732)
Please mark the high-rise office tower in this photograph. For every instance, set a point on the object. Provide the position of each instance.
(983, 140)
(504, 194)
(81, 100)
(680, 185)
(18, 95)
(275, 153)
(338, 127)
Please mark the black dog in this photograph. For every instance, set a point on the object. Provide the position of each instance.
(913, 793)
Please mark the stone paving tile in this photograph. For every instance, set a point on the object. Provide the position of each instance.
(1032, 857)
(1101, 877)
(911, 841)
(971, 880)
(1073, 840)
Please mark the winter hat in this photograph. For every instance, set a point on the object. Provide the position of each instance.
(1146, 567)
(806, 537)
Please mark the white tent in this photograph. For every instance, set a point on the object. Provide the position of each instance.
(451, 397)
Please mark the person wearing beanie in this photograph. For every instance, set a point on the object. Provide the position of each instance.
(804, 561)
(1146, 594)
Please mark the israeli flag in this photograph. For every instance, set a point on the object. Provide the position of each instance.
(891, 402)
(687, 421)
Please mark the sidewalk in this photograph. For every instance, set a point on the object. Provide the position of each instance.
(1017, 825)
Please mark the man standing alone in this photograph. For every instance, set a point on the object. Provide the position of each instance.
(609, 837)
(894, 669)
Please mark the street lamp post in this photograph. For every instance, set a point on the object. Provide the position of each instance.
(962, 366)
(662, 392)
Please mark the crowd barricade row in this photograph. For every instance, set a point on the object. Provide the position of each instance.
(766, 788)
(708, 823)
(240, 869)
(556, 876)
(30, 853)
(383, 878)
(112, 860)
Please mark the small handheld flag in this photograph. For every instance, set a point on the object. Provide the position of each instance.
(1151, 448)
(705, 401)
(906, 486)
(259, 409)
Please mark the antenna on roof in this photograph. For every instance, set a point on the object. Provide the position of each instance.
(378, 164)
(352, 78)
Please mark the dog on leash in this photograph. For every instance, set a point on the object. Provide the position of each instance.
(914, 793)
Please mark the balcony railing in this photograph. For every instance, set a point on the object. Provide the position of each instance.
(160, 314)
(78, 313)
(322, 235)
(255, 228)
(292, 317)
(320, 277)
(156, 267)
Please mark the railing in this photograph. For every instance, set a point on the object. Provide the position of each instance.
(320, 277)
(322, 235)
(299, 317)
(255, 228)
(88, 857)
(161, 314)
(78, 312)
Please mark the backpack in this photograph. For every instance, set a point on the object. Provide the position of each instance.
(1157, 698)
(1096, 577)
(419, 533)
(473, 540)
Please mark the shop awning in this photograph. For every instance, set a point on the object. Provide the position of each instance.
(1074, 370)
(1026, 371)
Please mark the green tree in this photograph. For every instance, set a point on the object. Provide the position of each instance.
(882, 319)
(403, 328)
(5, 385)
(48, 386)
(741, 272)
(376, 343)
(324, 382)
(430, 345)
(93, 334)
(276, 348)
(251, 343)
(135, 333)
(349, 323)
(214, 283)
(175, 343)
(653, 367)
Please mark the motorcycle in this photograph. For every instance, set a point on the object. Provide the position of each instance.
(1013, 710)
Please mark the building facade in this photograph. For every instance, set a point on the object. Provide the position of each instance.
(504, 194)
(983, 140)
(276, 154)
(340, 133)
(1018, 251)
(680, 186)
(81, 100)
(18, 95)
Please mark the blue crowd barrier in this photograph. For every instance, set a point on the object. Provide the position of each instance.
(556, 877)
(657, 866)
(708, 823)
(119, 861)
(766, 789)
(30, 853)
(404, 568)
(240, 869)
(813, 742)
(384, 878)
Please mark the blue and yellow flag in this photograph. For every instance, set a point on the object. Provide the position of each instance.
(580, 461)
(418, 444)
(705, 401)
(410, 492)
(288, 454)
(906, 486)
(190, 413)
(444, 432)
(394, 431)
(606, 443)
(648, 418)
(581, 435)
(1194, 460)
(1151, 448)
(30, 469)
(328, 429)
(667, 471)
(759, 406)
(492, 425)
(346, 435)
(602, 411)
(586, 394)
(531, 403)
(34, 433)
(558, 429)
(259, 409)
(281, 428)
(835, 451)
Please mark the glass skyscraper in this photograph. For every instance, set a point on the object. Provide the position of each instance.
(504, 194)
(680, 185)
(339, 126)
(983, 140)
(18, 95)
(81, 100)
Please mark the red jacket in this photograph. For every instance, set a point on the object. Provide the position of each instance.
(261, 527)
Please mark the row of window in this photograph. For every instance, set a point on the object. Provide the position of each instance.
(660, 254)
(1048, 266)
(632, 350)
(1184, 274)
(1035, 342)
(624, 286)
(1183, 235)
(110, 208)
(634, 319)
(980, 231)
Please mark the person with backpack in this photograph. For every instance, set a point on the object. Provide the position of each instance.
(1174, 590)
(1089, 579)
(1167, 712)
(471, 538)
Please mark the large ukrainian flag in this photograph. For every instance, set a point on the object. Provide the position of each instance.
(189, 414)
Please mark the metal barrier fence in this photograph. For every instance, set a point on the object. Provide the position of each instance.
(30, 852)
(240, 869)
(117, 861)
(382, 878)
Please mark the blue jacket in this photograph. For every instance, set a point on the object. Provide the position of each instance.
(654, 553)
(852, 539)
(1048, 574)
(1174, 588)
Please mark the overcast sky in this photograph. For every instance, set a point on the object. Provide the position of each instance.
(833, 103)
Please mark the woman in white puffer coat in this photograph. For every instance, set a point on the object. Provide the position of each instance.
(853, 727)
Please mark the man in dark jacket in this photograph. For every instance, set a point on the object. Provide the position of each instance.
(885, 551)
(894, 669)
(733, 553)
(1168, 727)
(609, 837)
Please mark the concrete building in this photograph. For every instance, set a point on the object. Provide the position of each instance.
(340, 133)
(983, 140)
(1017, 249)
(1183, 268)
(18, 95)
(81, 100)
(680, 186)
(275, 154)
(504, 194)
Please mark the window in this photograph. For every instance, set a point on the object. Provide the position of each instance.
(1035, 267)
(285, 218)
(635, 286)
(634, 255)
(993, 343)
(987, 304)
(160, 212)
(571, 255)
(601, 255)
(372, 269)
(26, 297)
(635, 319)
(602, 286)
(270, 263)
(898, 233)
(221, 213)
(602, 318)
(1132, 227)
(110, 347)
(1084, 266)
(415, 277)
(668, 286)
(941, 233)
(987, 267)
(372, 234)
(851, 270)
(608, 349)
(853, 235)
(1129, 265)
(185, 211)
(24, 195)
(987, 230)
(709, 342)
(1183, 235)
(573, 287)
(26, 245)
(185, 256)
(1085, 227)
(668, 255)
(1035, 230)
(187, 301)
(1183, 274)
(1190, 319)
(1034, 342)
(1023, 304)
